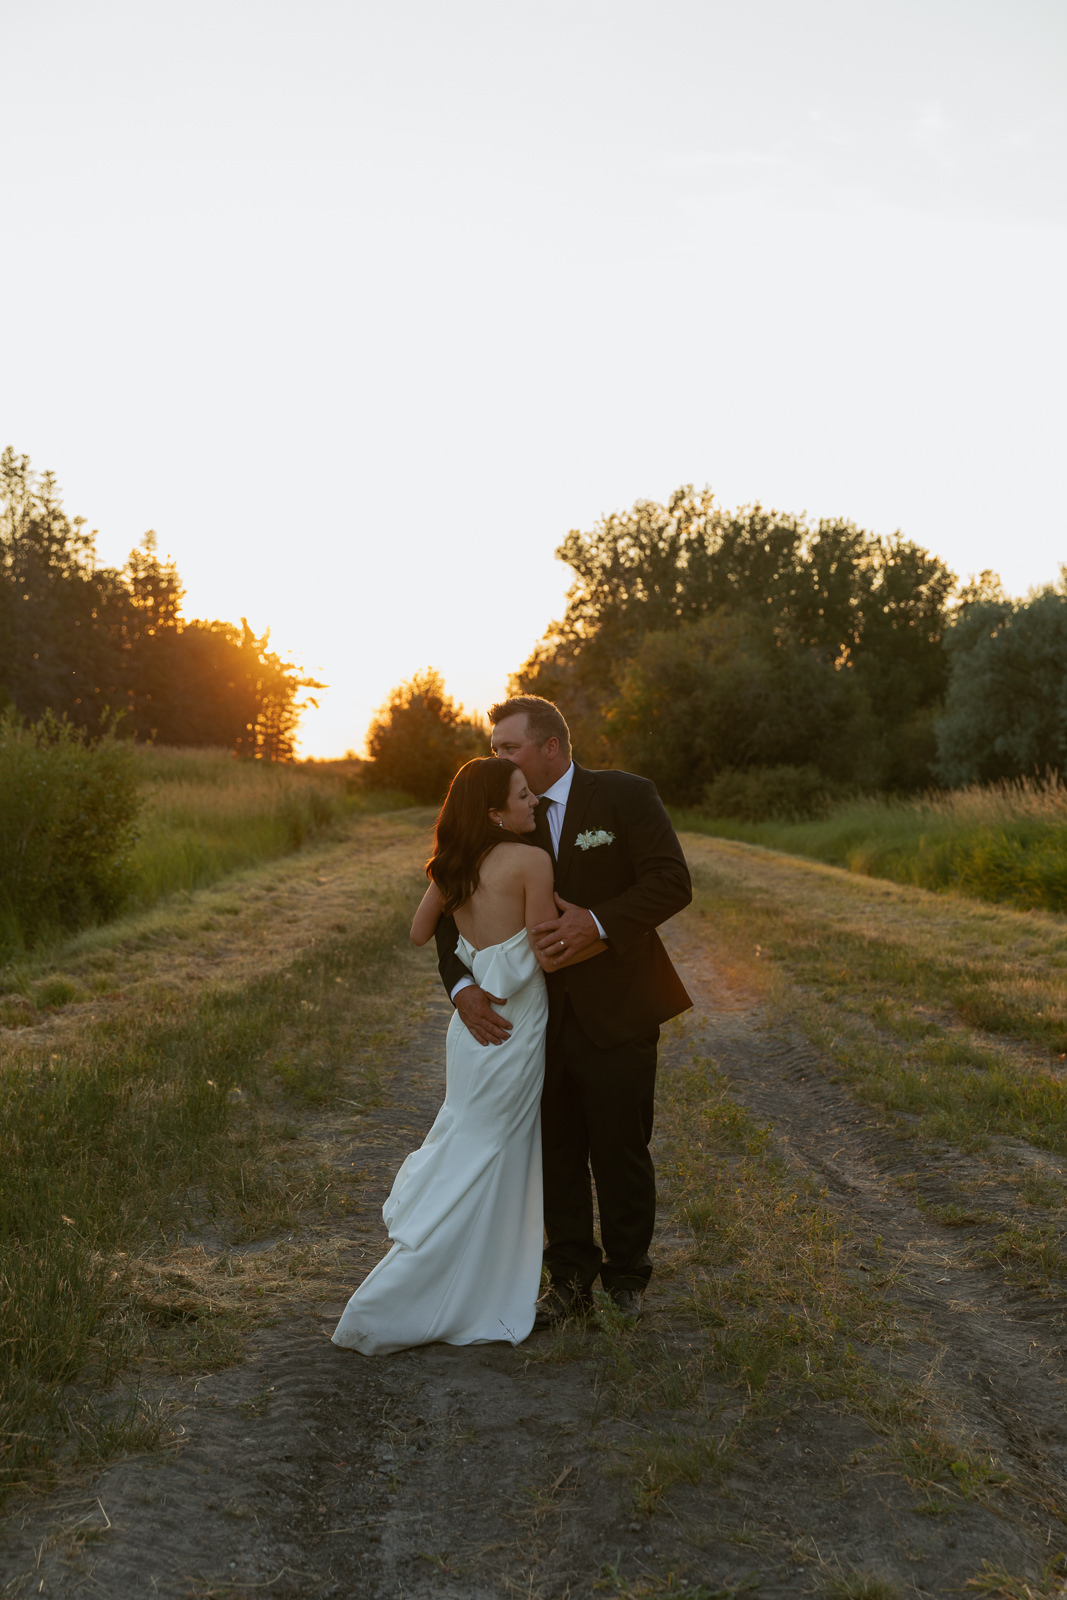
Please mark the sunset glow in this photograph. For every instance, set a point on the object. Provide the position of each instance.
(361, 308)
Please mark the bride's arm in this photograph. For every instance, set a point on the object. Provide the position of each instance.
(541, 907)
(539, 904)
(427, 916)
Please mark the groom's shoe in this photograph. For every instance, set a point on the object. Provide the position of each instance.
(560, 1301)
(627, 1302)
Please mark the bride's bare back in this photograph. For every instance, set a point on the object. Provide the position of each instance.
(514, 892)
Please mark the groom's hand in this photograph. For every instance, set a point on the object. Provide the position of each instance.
(476, 1013)
(560, 941)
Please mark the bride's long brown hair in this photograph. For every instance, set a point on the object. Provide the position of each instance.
(464, 834)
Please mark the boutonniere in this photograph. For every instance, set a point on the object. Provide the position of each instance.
(594, 838)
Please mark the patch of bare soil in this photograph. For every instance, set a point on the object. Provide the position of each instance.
(487, 1472)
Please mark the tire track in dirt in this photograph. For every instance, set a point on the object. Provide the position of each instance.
(998, 1352)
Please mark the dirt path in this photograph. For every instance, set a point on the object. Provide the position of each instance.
(478, 1474)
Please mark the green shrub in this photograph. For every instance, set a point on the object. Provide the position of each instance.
(761, 794)
(419, 740)
(67, 811)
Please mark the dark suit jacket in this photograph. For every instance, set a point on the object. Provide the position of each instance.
(632, 884)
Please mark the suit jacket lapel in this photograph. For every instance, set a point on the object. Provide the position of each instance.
(583, 787)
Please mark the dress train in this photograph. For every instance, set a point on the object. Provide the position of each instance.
(465, 1209)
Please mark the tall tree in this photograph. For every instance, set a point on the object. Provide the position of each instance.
(58, 647)
(82, 640)
(872, 608)
(1005, 713)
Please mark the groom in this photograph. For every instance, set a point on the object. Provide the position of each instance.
(621, 868)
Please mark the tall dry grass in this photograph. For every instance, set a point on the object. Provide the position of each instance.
(1003, 842)
(206, 814)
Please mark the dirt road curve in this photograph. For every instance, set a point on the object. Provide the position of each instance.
(483, 1473)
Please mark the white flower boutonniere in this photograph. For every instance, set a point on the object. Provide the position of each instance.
(595, 837)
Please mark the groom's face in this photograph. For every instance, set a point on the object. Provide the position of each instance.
(511, 738)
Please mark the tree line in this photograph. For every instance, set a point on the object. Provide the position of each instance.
(706, 648)
(95, 644)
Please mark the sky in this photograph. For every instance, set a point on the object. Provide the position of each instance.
(362, 306)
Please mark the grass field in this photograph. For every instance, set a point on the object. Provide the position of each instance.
(947, 1020)
(90, 832)
(1004, 842)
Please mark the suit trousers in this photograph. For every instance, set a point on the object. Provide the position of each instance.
(596, 1112)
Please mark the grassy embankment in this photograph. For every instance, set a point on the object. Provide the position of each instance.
(1004, 842)
(148, 1074)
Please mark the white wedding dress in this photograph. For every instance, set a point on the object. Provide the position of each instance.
(465, 1212)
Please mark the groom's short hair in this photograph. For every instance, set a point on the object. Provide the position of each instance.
(544, 721)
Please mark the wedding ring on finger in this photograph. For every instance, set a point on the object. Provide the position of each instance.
(563, 944)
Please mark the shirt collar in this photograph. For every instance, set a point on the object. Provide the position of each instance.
(561, 788)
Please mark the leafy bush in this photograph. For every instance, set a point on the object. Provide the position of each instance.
(760, 794)
(67, 813)
(420, 738)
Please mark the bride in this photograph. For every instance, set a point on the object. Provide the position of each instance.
(464, 1212)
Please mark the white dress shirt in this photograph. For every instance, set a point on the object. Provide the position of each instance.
(558, 795)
